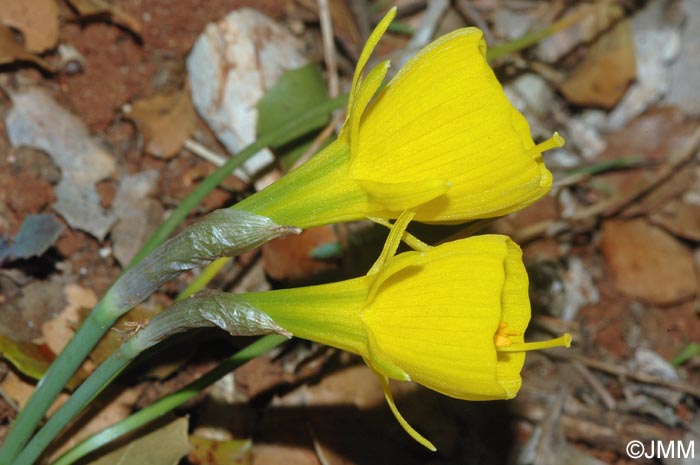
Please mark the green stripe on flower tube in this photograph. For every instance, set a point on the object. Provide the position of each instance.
(441, 139)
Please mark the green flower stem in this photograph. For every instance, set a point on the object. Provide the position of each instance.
(283, 134)
(200, 282)
(205, 309)
(83, 341)
(102, 317)
(101, 378)
(170, 402)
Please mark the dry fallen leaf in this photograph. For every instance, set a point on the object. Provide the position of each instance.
(58, 331)
(37, 233)
(289, 259)
(647, 262)
(589, 21)
(603, 76)
(37, 120)
(138, 213)
(680, 218)
(18, 389)
(11, 51)
(166, 121)
(96, 8)
(36, 20)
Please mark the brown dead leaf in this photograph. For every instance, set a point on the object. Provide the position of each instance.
(670, 190)
(19, 389)
(647, 262)
(166, 121)
(587, 20)
(91, 9)
(59, 331)
(651, 137)
(648, 136)
(603, 76)
(36, 20)
(11, 51)
(289, 258)
(680, 218)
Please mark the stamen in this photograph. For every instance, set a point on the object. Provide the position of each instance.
(563, 341)
(500, 339)
(553, 142)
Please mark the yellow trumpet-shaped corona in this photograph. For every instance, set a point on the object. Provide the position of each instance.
(450, 317)
(440, 139)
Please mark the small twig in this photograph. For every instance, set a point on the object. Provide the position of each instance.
(9, 400)
(213, 157)
(623, 372)
(324, 15)
(549, 227)
(595, 383)
(360, 11)
(424, 34)
(204, 152)
(319, 140)
(317, 446)
(618, 202)
(467, 10)
(556, 326)
(570, 180)
(407, 8)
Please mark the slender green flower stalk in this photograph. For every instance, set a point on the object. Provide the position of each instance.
(169, 402)
(221, 233)
(206, 309)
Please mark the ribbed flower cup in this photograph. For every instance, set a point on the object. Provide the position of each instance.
(440, 139)
(451, 317)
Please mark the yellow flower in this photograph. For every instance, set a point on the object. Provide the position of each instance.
(450, 317)
(440, 139)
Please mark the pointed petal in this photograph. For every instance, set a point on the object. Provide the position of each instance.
(392, 242)
(367, 50)
(402, 421)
